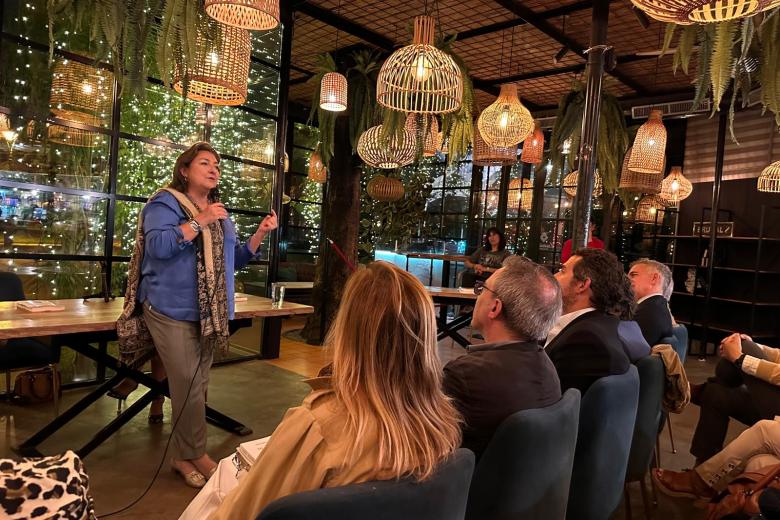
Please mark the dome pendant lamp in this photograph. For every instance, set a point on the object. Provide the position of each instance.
(506, 122)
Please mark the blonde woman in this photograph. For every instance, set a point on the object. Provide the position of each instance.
(381, 415)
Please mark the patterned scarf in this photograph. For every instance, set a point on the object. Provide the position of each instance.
(135, 341)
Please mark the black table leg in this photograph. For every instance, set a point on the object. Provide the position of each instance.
(226, 423)
(451, 330)
(272, 336)
(445, 273)
(112, 427)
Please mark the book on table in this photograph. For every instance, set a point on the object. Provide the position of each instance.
(248, 452)
(39, 306)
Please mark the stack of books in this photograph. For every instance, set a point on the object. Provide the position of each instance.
(248, 452)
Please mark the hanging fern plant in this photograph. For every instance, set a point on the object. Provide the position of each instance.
(326, 120)
(458, 126)
(363, 109)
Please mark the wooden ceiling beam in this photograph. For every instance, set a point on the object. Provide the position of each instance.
(348, 26)
(544, 73)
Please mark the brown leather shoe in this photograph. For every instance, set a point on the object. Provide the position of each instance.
(682, 484)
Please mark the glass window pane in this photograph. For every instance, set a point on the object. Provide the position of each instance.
(455, 226)
(267, 45)
(52, 279)
(43, 222)
(252, 279)
(125, 226)
(434, 203)
(29, 19)
(300, 161)
(456, 201)
(246, 225)
(302, 189)
(237, 132)
(304, 215)
(263, 89)
(163, 115)
(144, 168)
(302, 240)
(489, 201)
(245, 186)
(459, 176)
(305, 136)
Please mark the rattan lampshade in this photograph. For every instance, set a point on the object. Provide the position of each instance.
(333, 92)
(317, 170)
(221, 69)
(769, 180)
(520, 194)
(570, 183)
(255, 15)
(392, 152)
(639, 182)
(385, 189)
(533, 146)
(420, 78)
(702, 11)
(431, 141)
(506, 122)
(647, 155)
(81, 94)
(650, 210)
(486, 155)
(675, 187)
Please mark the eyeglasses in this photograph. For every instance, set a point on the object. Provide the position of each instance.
(480, 287)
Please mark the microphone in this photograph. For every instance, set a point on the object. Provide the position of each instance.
(341, 254)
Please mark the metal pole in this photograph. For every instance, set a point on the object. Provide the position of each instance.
(590, 123)
(537, 208)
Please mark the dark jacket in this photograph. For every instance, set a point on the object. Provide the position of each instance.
(493, 381)
(654, 319)
(588, 348)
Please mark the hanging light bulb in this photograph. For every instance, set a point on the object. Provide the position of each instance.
(675, 187)
(333, 92)
(504, 119)
(533, 147)
(422, 69)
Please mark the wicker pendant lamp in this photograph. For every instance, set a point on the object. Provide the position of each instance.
(221, 69)
(431, 141)
(254, 15)
(702, 11)
(520, 194)
(650, 210)
(420, 78)
(81, 94)
(647, 154)
(317, 170)
(286, 162)
(533, 146)
(333, 92)
(385, 189)
(769, 180)
(675, 187)
(486, 155)
(570, 183)
(506, 122)
(640, 182)
(378, 152)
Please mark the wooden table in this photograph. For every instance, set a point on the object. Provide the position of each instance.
(83, 323)
(445, 268)
(445, 296)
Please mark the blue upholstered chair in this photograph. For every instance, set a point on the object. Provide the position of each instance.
(648, 420)
(526, 469)
(441, 496)
(22, 353)
(607, 416)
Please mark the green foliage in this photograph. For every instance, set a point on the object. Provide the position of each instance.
(361, 96)
(326, 120)
(722, 60)
(769, 36)
(568, 125)
(458, 126)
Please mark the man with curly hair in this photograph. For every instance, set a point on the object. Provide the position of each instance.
(585, 344)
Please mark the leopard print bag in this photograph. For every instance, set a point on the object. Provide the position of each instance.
(55, 487)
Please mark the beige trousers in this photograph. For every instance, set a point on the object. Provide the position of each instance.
(755, 448)
(178, 343)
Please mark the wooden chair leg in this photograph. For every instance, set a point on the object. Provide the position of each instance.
(645, 500)
(627, 499)
(671, 435)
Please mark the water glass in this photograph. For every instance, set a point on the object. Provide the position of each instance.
(277, 295)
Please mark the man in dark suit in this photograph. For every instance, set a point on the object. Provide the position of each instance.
(649, 280)
(585, 344)
(510, 372)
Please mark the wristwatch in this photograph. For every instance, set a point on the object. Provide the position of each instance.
(194, 225)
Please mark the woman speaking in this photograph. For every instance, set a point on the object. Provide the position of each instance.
(180, 295)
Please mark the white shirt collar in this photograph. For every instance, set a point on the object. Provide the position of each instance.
(643, 298)
(563, 321)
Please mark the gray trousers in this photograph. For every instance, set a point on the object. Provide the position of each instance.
(178, 344)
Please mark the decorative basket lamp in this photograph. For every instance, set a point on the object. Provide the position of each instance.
(647, 155)
(486, 155)
(769, 180)
(385, 189)
(254, 15)
(79, 93)
(317, 171)
(533, 146)
(420, 78)
(650, 210)
(570, 183)
(381, 152)
(506, 122)
(286, 162)
(702, 11)
(333, 92)
(640, 182)
(675, 187)
(221, 69)
(520, 194)
(431, 141)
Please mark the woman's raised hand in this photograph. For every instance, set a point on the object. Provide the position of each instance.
(211, 214)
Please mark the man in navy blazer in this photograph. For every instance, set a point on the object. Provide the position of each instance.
(650, 280)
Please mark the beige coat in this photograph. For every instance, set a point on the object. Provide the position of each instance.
(677, 392)
(305, 452)
(767, 369)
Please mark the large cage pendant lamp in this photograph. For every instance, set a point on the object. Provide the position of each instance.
(570, 183)
(221, 69)
(333, 92)
(647, 155)
(533, 146)
(425, 130)
(675, 187)
(769, 180)
(386, 152)
(420, 78)
(639, 182)
(702, 11)
(254, 15)
(486, 155)
(506, 122)
(81, 94)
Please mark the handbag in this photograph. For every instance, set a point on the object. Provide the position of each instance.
(38, 385)
(741, 496)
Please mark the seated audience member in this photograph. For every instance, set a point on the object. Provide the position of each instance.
(755, 448)
(487, 259)
(510, 372)
(594, 242)
(746, 387)
(585, 345)
(649, 280)
(381, 415)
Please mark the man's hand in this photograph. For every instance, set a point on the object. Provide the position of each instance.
(731, 347)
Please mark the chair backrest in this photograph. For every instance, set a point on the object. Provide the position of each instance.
(10, 287)
(681, 333)
(648, 416)
(607, 416)
(526, 469)
(443, 495)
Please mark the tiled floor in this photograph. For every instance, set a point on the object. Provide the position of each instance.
(257, 393)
